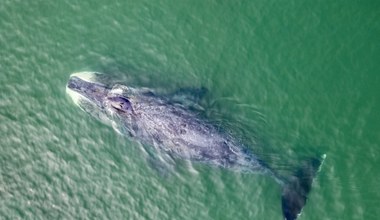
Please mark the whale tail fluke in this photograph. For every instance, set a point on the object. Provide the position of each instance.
(297, 188)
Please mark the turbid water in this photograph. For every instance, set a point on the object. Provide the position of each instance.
(291, 79)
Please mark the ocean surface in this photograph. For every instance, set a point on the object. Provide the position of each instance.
(291, 79)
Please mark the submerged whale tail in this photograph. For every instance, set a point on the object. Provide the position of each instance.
(298, 186)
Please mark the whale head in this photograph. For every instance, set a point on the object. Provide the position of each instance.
(100, 100)
(83, 88)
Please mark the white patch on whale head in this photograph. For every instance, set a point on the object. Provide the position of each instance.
(86, 76)
(117, 91)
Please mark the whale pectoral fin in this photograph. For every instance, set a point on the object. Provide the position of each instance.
(160, 162)
(162, 168)
(189, 96)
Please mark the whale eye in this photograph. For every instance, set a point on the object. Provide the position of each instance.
(121, 104)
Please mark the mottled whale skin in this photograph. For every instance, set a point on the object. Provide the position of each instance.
(171, 127)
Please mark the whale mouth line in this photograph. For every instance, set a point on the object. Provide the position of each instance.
(76, 97)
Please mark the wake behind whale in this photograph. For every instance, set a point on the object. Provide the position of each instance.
(172, 127)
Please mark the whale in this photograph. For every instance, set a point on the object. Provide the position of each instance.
(174, 127)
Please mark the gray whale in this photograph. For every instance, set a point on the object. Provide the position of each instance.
(175, 129)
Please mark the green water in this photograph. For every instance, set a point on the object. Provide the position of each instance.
(291, 78)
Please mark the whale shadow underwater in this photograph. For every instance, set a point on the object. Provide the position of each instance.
(176, 129)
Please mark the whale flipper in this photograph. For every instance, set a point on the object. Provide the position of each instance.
(189, 95)
(296, 190)
(162, 163)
